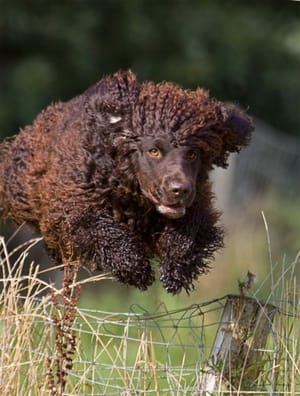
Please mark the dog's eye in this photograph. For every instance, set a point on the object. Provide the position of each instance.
(191, 155)
(154, 152)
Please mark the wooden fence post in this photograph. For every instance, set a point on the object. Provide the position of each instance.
(236, 356)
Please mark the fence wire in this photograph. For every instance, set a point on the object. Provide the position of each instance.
(143, 353)
(166, 352)
(138, 353)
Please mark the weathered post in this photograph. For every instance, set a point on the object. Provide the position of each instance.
(236, 357)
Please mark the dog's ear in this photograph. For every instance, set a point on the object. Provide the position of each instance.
(234, 131)
(111, 99)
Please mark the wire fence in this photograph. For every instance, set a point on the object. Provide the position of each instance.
(144, 353)
(230, 345)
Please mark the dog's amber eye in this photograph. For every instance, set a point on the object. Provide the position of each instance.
(154, 152)
(191, 155)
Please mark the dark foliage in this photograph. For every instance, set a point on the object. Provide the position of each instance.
(242, 51)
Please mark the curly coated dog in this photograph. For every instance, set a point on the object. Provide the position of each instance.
(119, 175)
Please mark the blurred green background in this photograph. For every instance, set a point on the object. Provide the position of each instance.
(246, 52)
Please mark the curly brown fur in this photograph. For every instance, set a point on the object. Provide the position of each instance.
(119, 175)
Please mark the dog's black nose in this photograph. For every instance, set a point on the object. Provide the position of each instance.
(180, 189)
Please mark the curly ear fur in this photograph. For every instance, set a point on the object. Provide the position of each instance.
(111, 99)
(235, 132)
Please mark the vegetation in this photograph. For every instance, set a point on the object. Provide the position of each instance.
(242, 51)
(52, 345)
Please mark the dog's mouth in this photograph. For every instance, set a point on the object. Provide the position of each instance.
(173, 212)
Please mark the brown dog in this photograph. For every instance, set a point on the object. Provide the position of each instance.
(119, 175)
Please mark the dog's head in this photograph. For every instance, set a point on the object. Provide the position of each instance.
(168, 174)
(173, 136)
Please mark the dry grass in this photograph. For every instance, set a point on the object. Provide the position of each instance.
(20, 316)
(35, 326)
(49, 346)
